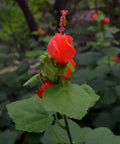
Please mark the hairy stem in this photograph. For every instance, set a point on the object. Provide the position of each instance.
(57, 121)
(67, 129)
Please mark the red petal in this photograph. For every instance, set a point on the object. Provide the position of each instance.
(73, 62)
(69, 38)
(41, 90)
(60, 48)
(69, 70)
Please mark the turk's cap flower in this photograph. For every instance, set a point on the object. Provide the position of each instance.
(116, 58)
(45, 85)
(41, 32)
(69, 71)
(60, 48)
(87, 41)
(94, 16)
(106, 20)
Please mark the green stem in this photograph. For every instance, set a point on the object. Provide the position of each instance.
(113, 79)
(57, 121)
(67, 129)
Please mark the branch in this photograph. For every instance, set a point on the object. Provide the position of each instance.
(28, 15)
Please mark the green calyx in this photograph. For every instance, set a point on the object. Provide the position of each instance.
(51, 68)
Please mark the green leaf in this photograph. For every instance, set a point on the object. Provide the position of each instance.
(33, 138)
(100, 17)
(70, 66)
(23, 67)
(29, 115)
(106, 60)
(45, 39)
(88, 57)
(100, 35)
(9, 78)
(109, 35)
(116, 42)
(86, 75)
(5, 120)
(4, 49)
(116, 113)
(50, 70)
(93, 28)
(112, 30)
(35, 32)
(3, 106)
(55, 134)
(101, 136)
(32, 79)
(102, 70)
(116, 70)
(108, 96)
(98, 84)
(111, 51)
(79, 135)
(3, 95)
(117, 90)
(9, 137)
(104, 119)
(70, 99)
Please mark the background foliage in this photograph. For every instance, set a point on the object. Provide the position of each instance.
(20, 51)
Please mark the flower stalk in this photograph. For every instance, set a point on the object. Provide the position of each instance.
(67, 129)
(57, 121)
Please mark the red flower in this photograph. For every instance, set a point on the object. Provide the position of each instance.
(106, 20)
(94, 16)
(115, 58)
(86, 41)
(61, 49)
(69, 70)
(41, 90)
(40, 31)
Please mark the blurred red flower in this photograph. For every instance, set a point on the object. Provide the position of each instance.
(86, 41)
(106, 20)
(94, 16)
(61, 49)
(69, 70)
(115, 58)
(40, 31)
(45, 85)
